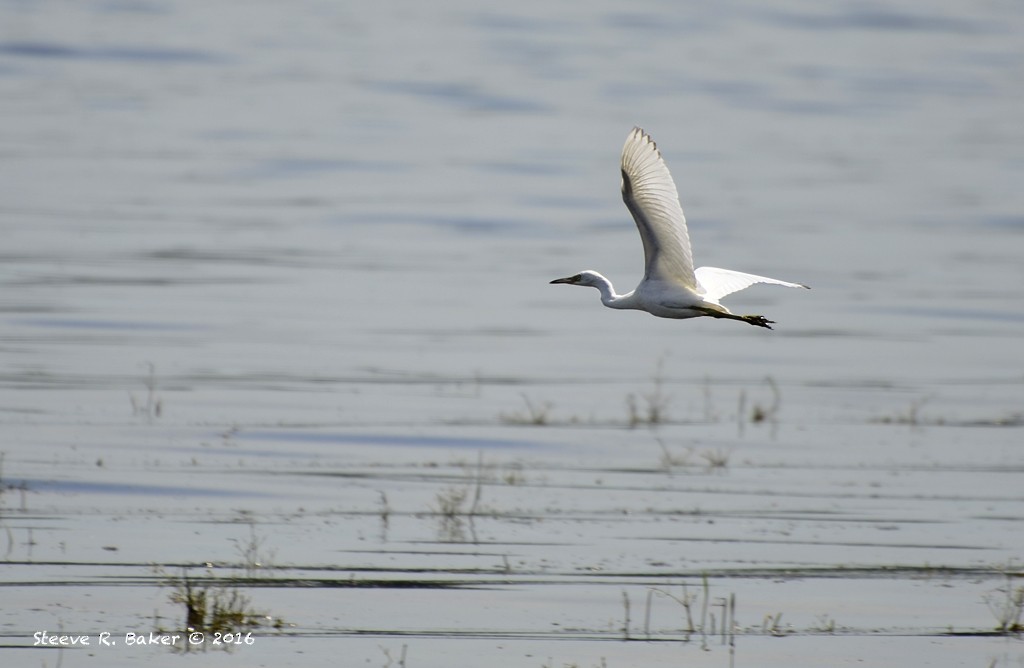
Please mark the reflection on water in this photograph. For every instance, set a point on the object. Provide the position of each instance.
(320, 241)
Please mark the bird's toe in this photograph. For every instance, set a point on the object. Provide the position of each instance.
(759, 320)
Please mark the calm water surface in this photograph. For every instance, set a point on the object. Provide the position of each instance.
(277, 276)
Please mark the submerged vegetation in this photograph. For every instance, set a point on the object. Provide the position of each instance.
(450, 506)
(715, 459)
(253, 551)
(1007, 605)
(653, 407)
(627, 526)
(216, 606)
(655, 401)
(537, 415)
(152, 406)
(716, 616)
(213, 606)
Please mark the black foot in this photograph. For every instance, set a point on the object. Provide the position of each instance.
(759, 320)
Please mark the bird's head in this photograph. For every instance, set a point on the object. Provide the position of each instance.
(588, 278)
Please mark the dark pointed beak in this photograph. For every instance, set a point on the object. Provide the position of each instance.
(567, 279)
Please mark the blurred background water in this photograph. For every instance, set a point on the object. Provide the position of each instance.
(347, 214)
(359, 191)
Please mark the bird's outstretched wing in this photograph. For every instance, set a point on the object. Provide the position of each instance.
(715, 283)
(651, 196)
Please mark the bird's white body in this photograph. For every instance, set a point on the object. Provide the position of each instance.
(671, 287)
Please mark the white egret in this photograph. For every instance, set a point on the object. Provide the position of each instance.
(671, 287)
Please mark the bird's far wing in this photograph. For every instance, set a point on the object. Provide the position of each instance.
(717, 283)
(650, 195)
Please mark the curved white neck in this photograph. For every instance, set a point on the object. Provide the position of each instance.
(609, 297)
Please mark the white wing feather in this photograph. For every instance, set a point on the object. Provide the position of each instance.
(717, 283)
(651, 196)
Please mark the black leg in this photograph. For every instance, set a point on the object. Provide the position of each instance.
(758, 320)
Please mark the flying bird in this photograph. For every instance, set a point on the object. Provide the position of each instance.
(671, 287)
